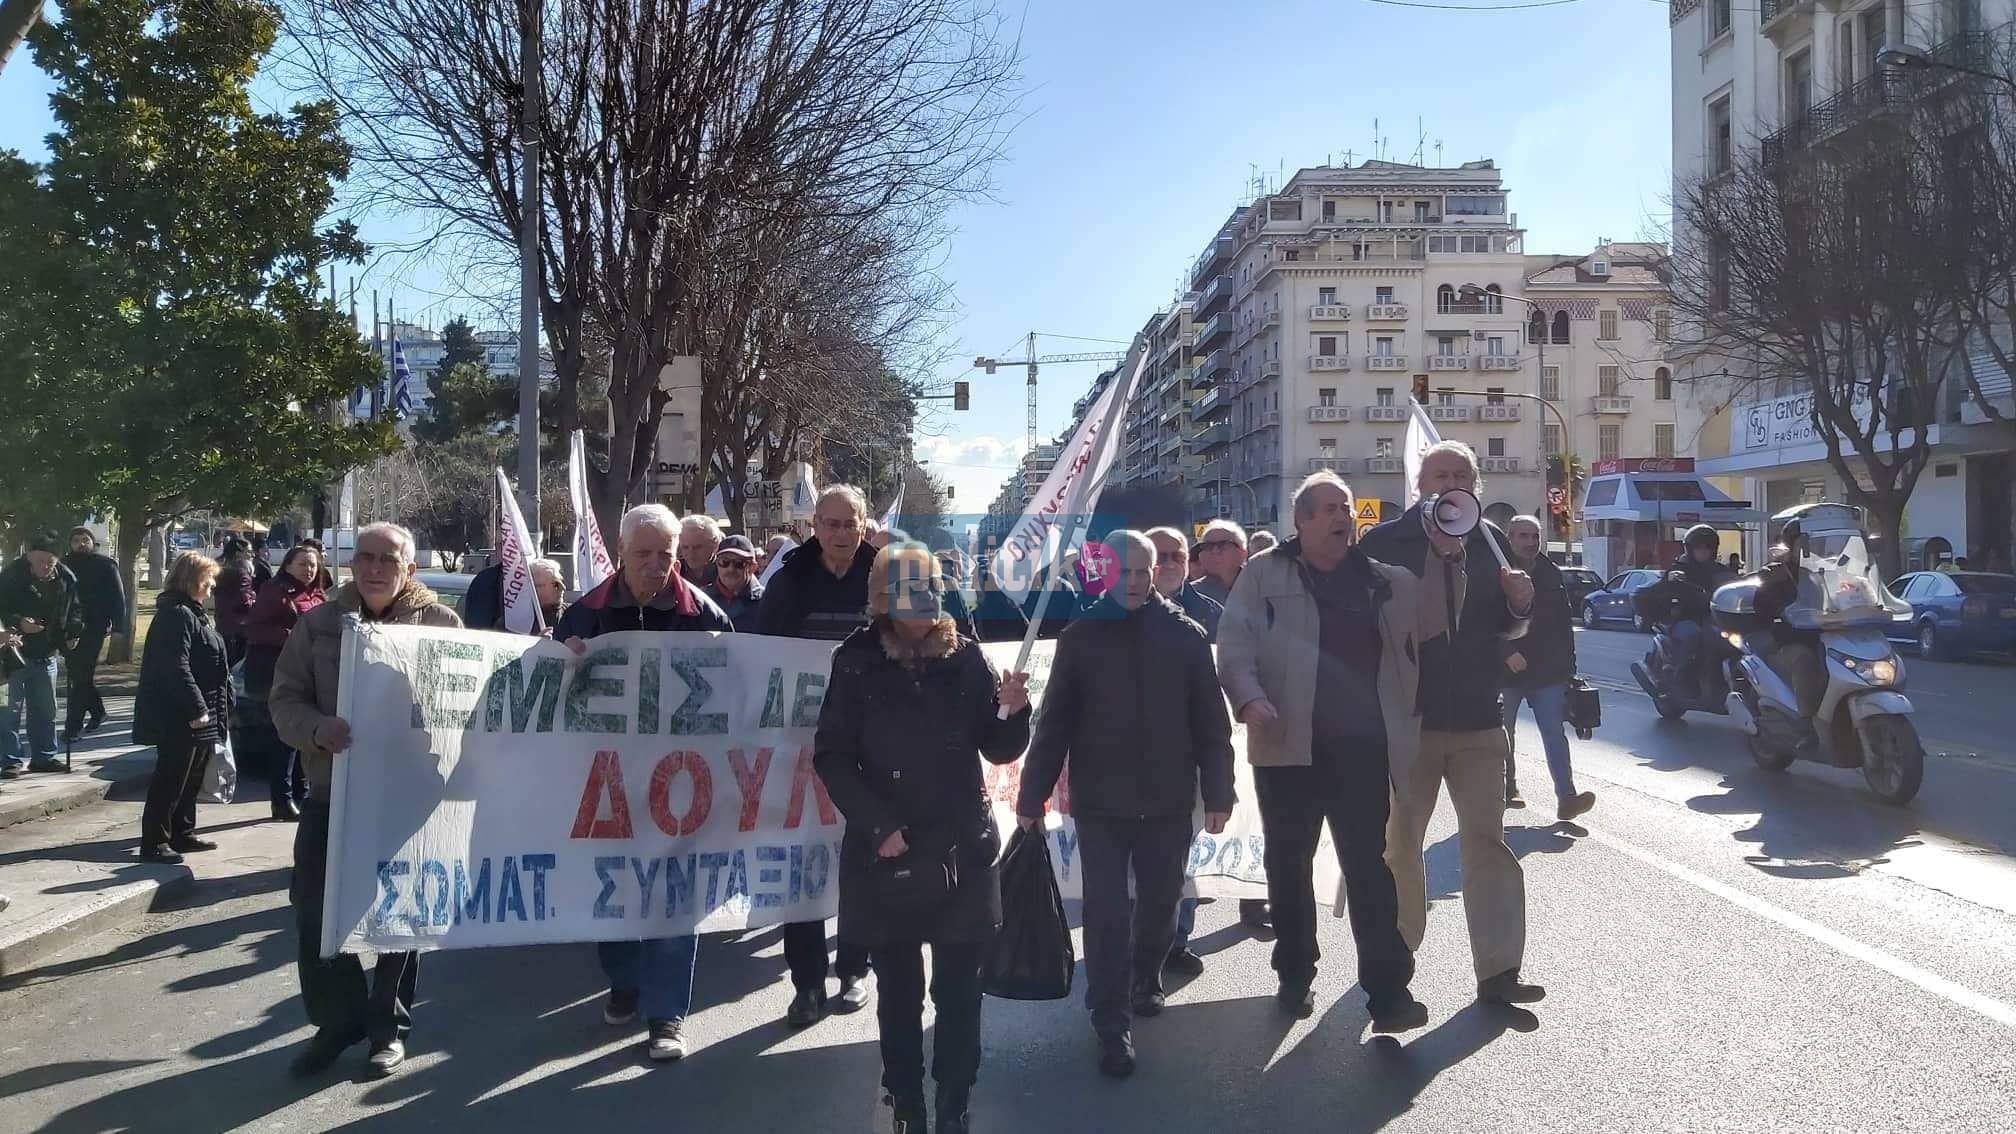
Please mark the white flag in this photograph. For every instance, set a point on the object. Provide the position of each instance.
(516, 595)
(1056, 513)
(591, 555)
(895, 506)
(1420, 435)
(346, 505)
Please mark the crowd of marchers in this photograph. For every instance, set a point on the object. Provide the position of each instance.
(1369, 674)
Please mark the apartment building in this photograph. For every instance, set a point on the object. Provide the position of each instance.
(1598, 326)
(1786, 77)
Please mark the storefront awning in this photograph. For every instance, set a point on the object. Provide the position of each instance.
(1660, 490)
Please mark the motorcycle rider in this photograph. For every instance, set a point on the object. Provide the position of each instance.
(1680, 600)
(1788, 652)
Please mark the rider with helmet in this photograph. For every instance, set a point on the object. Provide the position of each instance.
(1680, 600)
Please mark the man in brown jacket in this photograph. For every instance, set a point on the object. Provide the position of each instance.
(303, 706)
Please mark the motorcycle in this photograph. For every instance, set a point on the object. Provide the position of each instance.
(1663, 681)
(1863, 718)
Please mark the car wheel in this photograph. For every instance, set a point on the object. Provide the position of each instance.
(1589, 619)
(1929, 643)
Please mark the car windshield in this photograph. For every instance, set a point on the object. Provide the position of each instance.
(1840, 585)
(1986, 584)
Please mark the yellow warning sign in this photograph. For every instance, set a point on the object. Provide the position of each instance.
(1367, 516)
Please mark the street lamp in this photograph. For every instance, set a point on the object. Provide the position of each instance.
(1471, 293)
(1911, 57)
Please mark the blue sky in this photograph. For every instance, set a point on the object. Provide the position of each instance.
(1143, 124)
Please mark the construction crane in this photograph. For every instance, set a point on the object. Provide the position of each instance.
(1032, 360)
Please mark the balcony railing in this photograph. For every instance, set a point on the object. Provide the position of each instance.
(1209, 400)
(1329, 413)
(1329, 362)
(1214, 364)
(1448, 413)
(1329, 312)
(1448, 362)
(1386, 362)
(1496, 412)
(1171, 443)
(1271, 368)
(1382, 464)
(1770, 10)
(1334, 464)
(1500, 464)
(1385, 413)
(1269, 319)
(1214, 327)
(1219, 249)
(1499, 362)
(1609, 404)
(1213, 290)
(1211, 438)
(1386, 311)
(1884, 90)
(1264, 467)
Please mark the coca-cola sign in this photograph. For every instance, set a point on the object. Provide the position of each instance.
(1643, 465)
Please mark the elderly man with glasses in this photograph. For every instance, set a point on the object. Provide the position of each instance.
(735, 589)
(1221, 553)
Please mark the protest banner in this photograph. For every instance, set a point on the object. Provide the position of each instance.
(501, 791)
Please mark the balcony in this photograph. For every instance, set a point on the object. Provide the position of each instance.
(1209, 400)
(1269, 420)
(1330, 313)
(1214, 329)
(1448, 362)
(1268, 320)
(1214, 364)
(1385, 413)
(1177, 343)
(1611, 404)
(1338, 465)
(1448, 413)
(1264, 467)
(1210, 438)
(1500, 464)
(1270, 369)
(1772, 12)
(1211, 291)
(1215, 253)
(1172, 443)
(1386, 362)
(1883, 91)
(1382, 464)
(1329, 362)
(1329, 413)
(1386, 312)
(1499, 362)
(1171, 410)
(1498, 412)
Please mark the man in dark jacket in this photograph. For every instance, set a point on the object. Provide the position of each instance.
(735, 589)
(1538, 668)
(645, 593)
(1462, 727)
(1679, 601)
(821, 591)
(102, 599)
(38, 602)
(1133, 702)
(483, 602)
(1172, 580)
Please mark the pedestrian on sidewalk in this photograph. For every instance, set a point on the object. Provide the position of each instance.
(911, 708)
(102, 598)
(1462, 727)
(647, 592)
(1317, 650)
(342, 1007)
(38, 602)
(1538, 668)
(237, 593)
(183, 707)
(1133, 704)
(821, 591)
(295, 591)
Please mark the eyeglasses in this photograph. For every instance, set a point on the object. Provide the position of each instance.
(731, 563)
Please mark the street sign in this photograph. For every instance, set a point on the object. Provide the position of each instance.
(1367, 516)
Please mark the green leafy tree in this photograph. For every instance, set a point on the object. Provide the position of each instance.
(167, 347)
(466, 399)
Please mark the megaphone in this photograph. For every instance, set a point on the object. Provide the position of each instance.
(1455, 513)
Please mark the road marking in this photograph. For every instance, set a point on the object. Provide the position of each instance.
(1950, 991)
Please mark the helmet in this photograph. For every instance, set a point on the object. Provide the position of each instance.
(1789, 534)
(1701, 534)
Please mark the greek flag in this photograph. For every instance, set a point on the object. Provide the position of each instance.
(402, 384)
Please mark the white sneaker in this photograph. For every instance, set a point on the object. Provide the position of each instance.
(667, 1044)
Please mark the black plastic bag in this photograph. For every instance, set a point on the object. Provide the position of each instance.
(1585, 707)
(1031, 957)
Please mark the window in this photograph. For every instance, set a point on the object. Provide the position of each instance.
(1494, 396)
(1606, 442)
(1550, 382)
(1383, 448)
(1481, 242)
(1494, 300)
(1550, 436)
(1383, 396)
(1494, 345)
(1662, 440)
(1382, 295)
(1445, 299)
(1721, 140)
(1326, 447)
(1445, 345)
(1875, 36)
(1662, 326)
(1386, 212)
(1358, 251)
(1962, 16)
(1476, 206)
(1536, 327)
(1420, 212)
(1606, 381)
(1327, 296)
(1719, 18)
(1606, 323)
(1662, 385)
(1383, 346)
(1494, 446)
(1327, 396)
(1326, 346)
(1560, 327)
(1445, 397)
(1798, 72)
(1291, 255)
(1329, 210)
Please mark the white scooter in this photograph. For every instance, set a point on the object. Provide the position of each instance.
(1863, 719)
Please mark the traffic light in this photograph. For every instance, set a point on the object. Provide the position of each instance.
(1421, 388)
(962, 394)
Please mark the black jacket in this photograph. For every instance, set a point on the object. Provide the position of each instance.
(1549, 644)
(99, 589)
(1672, 600)
(609, 608)
(741, 610)
(1133, 702)
(805, 600)
(52, 602)
(1460, 671)
(897, 748)
(483, 604)
(1200, 608)
(1706, 576)
(184, 674)
(996, 618)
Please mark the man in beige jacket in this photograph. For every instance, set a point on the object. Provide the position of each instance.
(1316, 614)
(303, 706)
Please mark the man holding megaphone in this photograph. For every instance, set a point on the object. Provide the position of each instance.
(1459, 556)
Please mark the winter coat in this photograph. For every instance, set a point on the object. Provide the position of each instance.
(483, 603)
(99, 589)
(304, 679)
(1270, 642)
(1133, 702)
(236, 593)
(896, 747)
(996, 618)
(184, 674)
(1459, 668)
(281, 604)
(1200, 608)
(1549, 645)
(53, 602)
(805, 600)
(739, 608)
(610, 608)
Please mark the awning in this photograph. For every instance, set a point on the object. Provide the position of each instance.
(1670, 498)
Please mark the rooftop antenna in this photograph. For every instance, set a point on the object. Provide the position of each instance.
(1438, 152)
(1375, 140)
(1420, 141)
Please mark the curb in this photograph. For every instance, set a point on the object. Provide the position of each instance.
(42, 805)
(27, 944)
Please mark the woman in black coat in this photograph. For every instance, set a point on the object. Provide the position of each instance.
(183, 707)
(910, 707)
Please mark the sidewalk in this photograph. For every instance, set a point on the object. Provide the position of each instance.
(100, 762)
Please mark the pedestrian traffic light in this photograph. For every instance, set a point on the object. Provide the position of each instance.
(962, 395)
(1421, 388)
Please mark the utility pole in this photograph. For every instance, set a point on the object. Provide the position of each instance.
(529, 213)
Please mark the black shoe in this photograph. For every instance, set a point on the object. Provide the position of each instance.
(11, 772)
(1296, 1000)
(285, 811)
(906, 1112)
(1513, 800)
(385, 1058)
(1505, 988)
(806, 1008)
(951, 1110)
(1254, 914)
(45, 766)
(1184, 961)
(1116, 1055)
(323, 1050)
(853, 995)
(166, 855)
(1149, 1002)
(96, 722)
(1574, 805)
(191, 844)
(620, 1008)
(1401, 1018)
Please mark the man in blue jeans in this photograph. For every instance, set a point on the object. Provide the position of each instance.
(38, 606)
(1538, 668)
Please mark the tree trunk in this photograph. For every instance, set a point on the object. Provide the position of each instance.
(1886, 523)
(133, 538)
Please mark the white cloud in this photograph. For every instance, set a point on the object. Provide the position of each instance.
(975, 464)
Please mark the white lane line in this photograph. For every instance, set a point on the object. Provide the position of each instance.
(1947, 990)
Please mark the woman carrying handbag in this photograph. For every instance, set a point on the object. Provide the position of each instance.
(182, 709)
(910, 709)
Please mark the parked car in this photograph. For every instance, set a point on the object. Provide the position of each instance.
(451, 586)
(1580, 583)
(1956, 614)
(1612, 602)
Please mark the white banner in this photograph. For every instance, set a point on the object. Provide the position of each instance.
(1421, 433)
(659, 785)
(518, 599)
(591, 555)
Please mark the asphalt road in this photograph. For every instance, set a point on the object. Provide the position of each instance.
(1725, 949)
